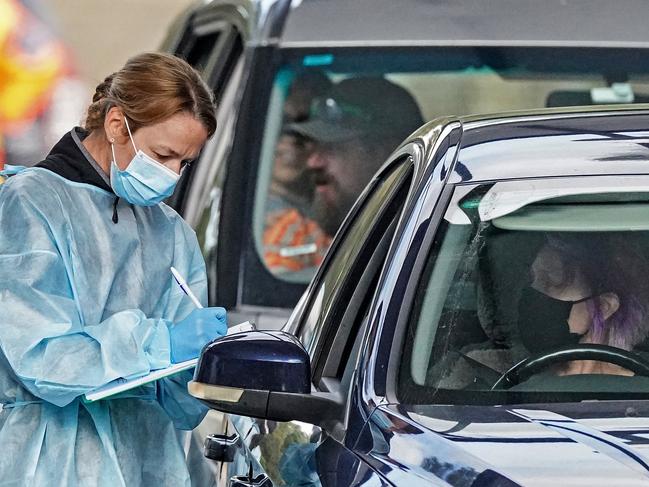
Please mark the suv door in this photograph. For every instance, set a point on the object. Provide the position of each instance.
(329, 323)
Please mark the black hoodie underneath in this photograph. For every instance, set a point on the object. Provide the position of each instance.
(70, 161)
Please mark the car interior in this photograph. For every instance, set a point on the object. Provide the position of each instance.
(466, 331)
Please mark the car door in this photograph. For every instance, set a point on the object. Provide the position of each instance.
(328, 322)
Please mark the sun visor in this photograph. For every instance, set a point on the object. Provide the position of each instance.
(577, 218)
(506, 197)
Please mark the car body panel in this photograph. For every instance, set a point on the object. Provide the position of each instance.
(606, 443)
(614, 142)
(297, 454)
(383, 442)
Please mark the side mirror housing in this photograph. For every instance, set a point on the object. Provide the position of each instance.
(263, 374)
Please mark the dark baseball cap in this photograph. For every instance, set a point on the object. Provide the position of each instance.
(357, 107)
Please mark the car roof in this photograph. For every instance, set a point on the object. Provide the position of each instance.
(467, 22)
(575, 141)
(340, 23)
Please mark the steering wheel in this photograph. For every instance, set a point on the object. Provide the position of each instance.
(601, 353)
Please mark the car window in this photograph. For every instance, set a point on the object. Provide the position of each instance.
(514, 277)
(212, 48)
(215, 50)
(200, 48)
(300, 200)
(336, 290)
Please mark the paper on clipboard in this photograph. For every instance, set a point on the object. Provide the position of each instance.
(121, 385)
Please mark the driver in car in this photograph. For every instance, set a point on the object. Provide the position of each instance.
(353, 129)
(350, 131)
(586, 291)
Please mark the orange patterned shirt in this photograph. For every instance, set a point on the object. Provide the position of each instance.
(293, 242)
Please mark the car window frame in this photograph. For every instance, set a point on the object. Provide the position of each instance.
(377, 219)
(335, 337)
(223, 61)
(435, 155)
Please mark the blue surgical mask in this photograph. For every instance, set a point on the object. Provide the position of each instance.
(145, 181)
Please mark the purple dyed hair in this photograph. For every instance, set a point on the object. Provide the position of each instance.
(610, 263)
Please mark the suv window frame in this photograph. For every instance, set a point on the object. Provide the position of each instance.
(224, 56)
(435, 158)
(236, 212)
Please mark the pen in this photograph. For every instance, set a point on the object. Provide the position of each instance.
(183, 285)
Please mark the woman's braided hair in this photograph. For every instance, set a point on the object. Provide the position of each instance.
(100, 101)
(150, 88)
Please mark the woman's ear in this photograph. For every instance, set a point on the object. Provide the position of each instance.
(609, 303)
(114, 126)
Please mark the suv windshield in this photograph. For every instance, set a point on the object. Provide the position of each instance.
(335, 115)
(520, 270)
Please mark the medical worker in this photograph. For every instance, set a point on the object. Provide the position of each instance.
(86, 295)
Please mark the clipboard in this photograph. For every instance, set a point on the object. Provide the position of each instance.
(121, 385)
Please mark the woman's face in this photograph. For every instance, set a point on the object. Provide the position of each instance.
(550, 278)
(172, 142)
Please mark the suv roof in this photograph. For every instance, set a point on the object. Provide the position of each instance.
(529, 22)
(338, 23)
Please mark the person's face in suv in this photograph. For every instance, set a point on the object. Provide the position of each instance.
(340, 172)
(290, 173)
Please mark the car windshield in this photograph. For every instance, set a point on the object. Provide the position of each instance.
(521, 269)
(336, 114)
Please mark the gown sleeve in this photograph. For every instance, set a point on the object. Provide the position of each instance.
(52, 352)
(185, 411)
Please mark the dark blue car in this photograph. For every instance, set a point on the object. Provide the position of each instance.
(482, 319)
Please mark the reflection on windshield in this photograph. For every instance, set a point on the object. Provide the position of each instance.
(562, 274)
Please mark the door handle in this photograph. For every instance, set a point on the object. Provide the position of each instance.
(262, 480)
(221, 448)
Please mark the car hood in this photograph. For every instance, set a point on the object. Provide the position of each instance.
(590, 444)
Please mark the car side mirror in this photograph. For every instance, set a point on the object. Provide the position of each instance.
(262, 374)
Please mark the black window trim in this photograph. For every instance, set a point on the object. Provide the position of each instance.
(344, 229)
(446, 151)
(348, 291)
(236, 212)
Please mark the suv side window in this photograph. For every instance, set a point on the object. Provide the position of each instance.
(343, 287)
(215, 49)
(212, 48)
(200, 48)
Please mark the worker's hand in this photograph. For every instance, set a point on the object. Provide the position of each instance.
(190, 335)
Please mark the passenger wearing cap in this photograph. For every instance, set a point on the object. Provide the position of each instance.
(354, 128)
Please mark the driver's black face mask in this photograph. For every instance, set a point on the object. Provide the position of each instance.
(543, 321)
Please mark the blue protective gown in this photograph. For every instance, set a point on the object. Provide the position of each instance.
(83, 301)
